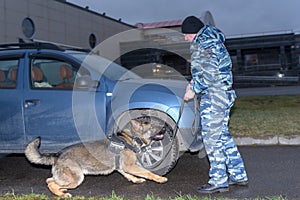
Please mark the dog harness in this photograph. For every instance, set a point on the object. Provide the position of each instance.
(117, 146)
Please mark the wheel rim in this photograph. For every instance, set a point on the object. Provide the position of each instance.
(152, 155)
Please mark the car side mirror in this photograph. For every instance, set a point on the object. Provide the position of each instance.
(85, 83)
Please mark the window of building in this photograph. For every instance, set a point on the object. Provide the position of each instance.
(28, 27)
(234, 62)
(250, 59)
(92, 40)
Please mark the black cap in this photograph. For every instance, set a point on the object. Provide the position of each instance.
(191, 25)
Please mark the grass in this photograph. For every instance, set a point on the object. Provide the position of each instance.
(11, 196)
(266, 116)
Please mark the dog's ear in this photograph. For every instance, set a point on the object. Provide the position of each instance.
(125, 134)
(136, 125)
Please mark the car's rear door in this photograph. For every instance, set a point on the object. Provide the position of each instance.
(11, 98)
(49, 105)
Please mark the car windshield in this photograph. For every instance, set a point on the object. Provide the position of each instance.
(105, 67)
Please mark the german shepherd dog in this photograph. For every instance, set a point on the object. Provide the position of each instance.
(94, 158)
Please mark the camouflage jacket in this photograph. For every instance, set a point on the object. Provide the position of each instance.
(210, 61)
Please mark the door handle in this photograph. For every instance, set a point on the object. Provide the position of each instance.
(31, 102)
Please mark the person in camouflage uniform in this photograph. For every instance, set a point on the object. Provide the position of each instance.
(212, 79)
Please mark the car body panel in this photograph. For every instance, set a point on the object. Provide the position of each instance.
(11, 120)
(64, 117)
(164, 95)
(12, 128)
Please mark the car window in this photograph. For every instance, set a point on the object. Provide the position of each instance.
(106, 67)
(8, 73)
(48, 73)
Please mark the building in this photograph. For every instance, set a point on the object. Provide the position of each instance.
(161, 50)
(258, 59)
(266, 58)
(56, 21)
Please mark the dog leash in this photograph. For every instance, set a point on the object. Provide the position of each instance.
(194, 129)
(180, 115)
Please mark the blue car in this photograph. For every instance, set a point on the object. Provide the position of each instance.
(70, 96)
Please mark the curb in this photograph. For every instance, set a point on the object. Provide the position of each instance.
(267, 140)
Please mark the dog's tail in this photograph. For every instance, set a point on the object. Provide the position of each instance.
(33, 154)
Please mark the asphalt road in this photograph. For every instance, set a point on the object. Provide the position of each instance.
(272, 171)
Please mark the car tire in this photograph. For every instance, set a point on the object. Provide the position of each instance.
(160, 156)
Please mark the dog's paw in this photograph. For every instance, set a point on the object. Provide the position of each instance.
(66, 195)
(139, 180)
(162, 180)
(49, 180)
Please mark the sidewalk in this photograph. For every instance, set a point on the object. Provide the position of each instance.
(268, 140)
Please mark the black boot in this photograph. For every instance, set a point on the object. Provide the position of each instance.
(239, 183)
(209, 189)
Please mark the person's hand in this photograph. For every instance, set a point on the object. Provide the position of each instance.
(189, 93)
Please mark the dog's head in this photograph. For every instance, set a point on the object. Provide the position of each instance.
(142, 133)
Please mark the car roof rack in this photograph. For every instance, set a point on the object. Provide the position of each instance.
(40, 45)
(31, 45)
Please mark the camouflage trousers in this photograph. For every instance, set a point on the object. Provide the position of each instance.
(221, 150)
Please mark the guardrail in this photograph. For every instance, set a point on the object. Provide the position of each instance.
(267, 78)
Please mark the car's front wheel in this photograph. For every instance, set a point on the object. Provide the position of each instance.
(160, 156)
